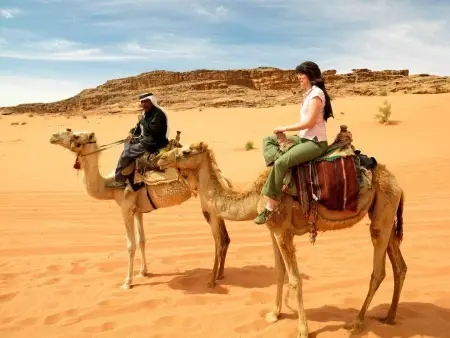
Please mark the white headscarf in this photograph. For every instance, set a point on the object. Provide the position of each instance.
(154, 101)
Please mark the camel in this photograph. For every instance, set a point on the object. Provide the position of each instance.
(382, 201)
(132, 204)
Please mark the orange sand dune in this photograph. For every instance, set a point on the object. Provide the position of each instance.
(63, 255)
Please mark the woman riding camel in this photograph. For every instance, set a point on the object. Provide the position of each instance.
(310, 141)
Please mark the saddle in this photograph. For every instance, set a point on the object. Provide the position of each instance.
(334, 180)
(146, 170)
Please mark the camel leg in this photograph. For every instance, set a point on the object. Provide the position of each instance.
(399, 268)
(382, 222)
(224, 247)
(212, 221)
(280, 268)
(141, 241)
(128, 217)
(285, 241)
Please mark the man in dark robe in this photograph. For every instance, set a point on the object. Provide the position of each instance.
(149, 135)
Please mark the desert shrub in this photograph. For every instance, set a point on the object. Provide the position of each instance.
(249, 145)
(385, 113)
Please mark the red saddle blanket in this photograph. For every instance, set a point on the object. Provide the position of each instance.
(333, 184)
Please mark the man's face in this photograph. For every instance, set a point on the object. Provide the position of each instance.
(146, 104)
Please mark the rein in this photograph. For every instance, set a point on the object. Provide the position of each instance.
(100, 148)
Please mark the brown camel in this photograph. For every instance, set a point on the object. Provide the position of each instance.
(382, 200)
(132, 204)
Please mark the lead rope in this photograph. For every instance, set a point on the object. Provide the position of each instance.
(77, 165)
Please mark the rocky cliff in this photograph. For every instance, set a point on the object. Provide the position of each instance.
(259, 87)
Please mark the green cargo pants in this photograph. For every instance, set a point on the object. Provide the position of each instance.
(305, 150)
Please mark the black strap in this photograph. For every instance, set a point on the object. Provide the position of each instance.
(150, 199)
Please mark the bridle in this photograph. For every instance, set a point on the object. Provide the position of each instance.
(103, 147)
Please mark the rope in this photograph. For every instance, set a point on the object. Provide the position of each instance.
(104, 147)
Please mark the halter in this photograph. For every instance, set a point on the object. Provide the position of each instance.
(77, 165)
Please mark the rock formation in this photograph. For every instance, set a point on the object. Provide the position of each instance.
(259, 87)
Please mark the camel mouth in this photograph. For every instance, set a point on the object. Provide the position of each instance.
(54, 140)
(163, 166)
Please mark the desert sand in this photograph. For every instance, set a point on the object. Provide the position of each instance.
(63, 254)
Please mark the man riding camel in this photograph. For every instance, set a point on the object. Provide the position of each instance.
(149, 135)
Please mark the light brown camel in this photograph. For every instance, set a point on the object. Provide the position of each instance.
(132, 204)
(382, 200)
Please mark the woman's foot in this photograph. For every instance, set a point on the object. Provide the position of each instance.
(264, 216)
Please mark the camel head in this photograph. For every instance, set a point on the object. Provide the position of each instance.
(187, 157)
(75, 141)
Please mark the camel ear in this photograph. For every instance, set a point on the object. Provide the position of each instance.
(68, 129)
(202, 147)
(91, 136)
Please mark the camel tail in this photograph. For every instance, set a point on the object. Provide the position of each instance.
(399, 223)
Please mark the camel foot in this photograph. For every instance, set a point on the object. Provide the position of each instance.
(271, 317)
(126, 286)
(211, 285)
(387, 320)
(355, 327)
(143, 274)
(220, 277)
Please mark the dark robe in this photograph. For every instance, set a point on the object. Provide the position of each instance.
(150, 133)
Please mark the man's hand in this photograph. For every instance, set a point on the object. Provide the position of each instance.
(129, 138)
(140, 117)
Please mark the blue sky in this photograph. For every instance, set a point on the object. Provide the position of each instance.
(52, 49)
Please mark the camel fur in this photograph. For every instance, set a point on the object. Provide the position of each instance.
(382, 202)
(132, 204)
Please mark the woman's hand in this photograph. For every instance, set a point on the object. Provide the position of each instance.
(279, 129)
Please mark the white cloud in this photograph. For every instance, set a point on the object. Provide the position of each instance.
(217, 13)
(24, 89)
(60, 50)
(420, 46)
(9, 13)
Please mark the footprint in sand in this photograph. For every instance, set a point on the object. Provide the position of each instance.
(7, 320)
(108, 326)
(77, 269)
(28, 322)
(51, 281)
(57, 317)
(256, 325)
(6, 297)
(54, 268)
(63, 292)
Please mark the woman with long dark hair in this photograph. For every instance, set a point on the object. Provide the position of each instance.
(310, 141)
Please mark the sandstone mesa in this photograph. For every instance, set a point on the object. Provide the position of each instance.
(258, 87)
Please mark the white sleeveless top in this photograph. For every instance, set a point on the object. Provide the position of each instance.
(319, 130)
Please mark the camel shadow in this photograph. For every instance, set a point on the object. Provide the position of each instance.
(413, 320)
(195, 281)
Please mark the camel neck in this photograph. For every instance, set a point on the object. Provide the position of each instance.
(228, 204)
(95, 183)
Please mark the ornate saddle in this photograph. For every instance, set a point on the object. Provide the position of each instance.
(333, 180)
(145, 167)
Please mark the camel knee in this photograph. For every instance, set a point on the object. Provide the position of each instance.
(378, 277)
(207, 216)
(227, 240)
(131, 248)
(401, 271)
(375, 233)
(295, 282)
(142, 242)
